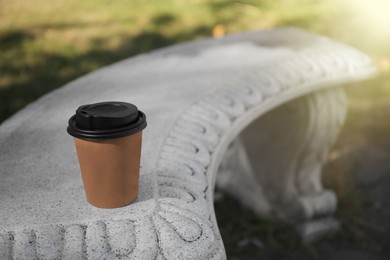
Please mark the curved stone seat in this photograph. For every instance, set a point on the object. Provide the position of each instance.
(204, 102)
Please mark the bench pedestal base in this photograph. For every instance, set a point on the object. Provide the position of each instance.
(274, 166)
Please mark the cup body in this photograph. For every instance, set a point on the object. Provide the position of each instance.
(110, 169)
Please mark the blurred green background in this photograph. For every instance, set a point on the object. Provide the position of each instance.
(45, 44)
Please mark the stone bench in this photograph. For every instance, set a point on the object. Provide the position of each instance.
(254, 112)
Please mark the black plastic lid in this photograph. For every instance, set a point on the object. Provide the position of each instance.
(106, 120)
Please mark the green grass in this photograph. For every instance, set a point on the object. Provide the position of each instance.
(45, 44)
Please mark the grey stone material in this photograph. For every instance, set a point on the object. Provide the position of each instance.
(286, 172)
(312, 231)
(198, 98)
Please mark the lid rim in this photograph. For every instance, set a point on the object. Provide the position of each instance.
(133, 128)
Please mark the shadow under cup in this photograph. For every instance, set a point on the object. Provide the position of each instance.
(108, 139)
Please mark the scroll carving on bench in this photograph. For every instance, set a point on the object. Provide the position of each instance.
(274, 166)
(254, 113)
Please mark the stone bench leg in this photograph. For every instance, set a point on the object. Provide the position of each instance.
(274, 166)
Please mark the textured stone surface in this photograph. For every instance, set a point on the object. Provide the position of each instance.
(197, 97)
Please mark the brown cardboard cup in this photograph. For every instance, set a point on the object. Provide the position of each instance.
(110, 169)
(108, 146)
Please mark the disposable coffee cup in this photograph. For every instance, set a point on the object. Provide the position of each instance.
(108, 139)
